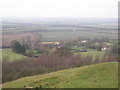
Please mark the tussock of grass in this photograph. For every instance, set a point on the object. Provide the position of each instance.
(103, 75)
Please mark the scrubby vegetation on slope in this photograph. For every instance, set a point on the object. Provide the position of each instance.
(103, 75)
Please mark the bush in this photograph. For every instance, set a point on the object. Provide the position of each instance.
(63, 51)
(115, 49)
(32, 53)
(18, 48)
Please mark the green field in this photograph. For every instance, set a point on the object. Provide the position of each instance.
(90, 52)
(9, 55)
(104, 75)
(70, 35)
(52, 31)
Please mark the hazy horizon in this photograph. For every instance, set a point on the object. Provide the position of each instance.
(59, 8)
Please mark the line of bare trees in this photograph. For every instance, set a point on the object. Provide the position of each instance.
(46, 64)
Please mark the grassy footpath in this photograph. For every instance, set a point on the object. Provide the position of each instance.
(103, 75)
(9, 55)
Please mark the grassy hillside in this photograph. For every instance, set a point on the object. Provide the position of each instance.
(104, 75)
(9, 55)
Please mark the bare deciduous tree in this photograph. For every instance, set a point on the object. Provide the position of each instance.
(38, 40)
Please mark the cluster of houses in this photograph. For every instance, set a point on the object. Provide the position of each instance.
(104, 48)
(59, 44)
(62, 44)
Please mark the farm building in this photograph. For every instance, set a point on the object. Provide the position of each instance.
(104, 48)
(83, 41)
(48, 43)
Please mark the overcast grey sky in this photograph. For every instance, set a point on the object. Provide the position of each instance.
(59, 8)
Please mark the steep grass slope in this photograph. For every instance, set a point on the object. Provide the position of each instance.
(103, 75)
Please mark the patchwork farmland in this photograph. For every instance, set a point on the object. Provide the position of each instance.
(39, 54)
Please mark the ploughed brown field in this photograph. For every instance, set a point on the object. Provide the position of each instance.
(6, 39)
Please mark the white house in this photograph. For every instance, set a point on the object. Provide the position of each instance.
(83, 41)
(104, 48)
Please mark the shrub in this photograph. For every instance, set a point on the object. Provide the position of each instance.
(18, 48)
(115, 49)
